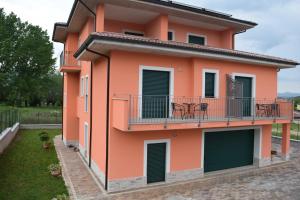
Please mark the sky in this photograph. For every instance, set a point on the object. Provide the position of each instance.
(277, 34)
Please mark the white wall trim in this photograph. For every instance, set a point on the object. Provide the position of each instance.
(253, 76)
(217, 81)
(197, 35)
(86, 139)
(168, 153)
(256, 128)
(153, 68)
(173, 33)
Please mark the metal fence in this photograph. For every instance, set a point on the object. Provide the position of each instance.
(37, 117)
(8, 118)
(170, 109)
(295, 130)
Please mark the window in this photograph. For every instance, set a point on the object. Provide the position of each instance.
(210, 84)
(135, 33)
(86, 94)
(86, 126)
(81, 86)
(196, 39)
(171, 35)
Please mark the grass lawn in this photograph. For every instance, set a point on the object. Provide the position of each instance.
(23, 169)
(294, 127)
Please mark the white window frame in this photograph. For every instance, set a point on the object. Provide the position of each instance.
(253, 76)
(197, 35)
(82, 86)
(168, 153)
(134, 31)
(86, 94)
(217, 82)
(258, 131)
(173, 34)
(171, 85)
(86, 133)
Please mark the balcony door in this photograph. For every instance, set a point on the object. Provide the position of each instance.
(155, 93)
(246, 99)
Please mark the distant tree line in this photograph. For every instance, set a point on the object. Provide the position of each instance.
(27, 67)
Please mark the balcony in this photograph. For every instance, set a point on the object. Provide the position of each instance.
(138, 113)
(68, 63)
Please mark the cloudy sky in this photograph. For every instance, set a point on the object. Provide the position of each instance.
(278, 32)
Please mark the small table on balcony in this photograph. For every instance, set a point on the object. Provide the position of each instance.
(189, 111)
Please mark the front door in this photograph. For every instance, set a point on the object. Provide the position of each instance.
(155, 94)
(156, 162)
(247, 95)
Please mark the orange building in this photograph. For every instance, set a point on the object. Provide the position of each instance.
(154, 92)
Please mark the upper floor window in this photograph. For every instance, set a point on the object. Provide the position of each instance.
(196, 39)
(171, 35)
(135, 33)
(210, 84)
(86, 94)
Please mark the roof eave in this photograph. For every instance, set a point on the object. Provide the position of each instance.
(189, 51)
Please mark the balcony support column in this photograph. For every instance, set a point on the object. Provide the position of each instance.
(285, 145)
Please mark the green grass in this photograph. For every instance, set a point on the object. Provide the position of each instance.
(23, 169)
(294, 126)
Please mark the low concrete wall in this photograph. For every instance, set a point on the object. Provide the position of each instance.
(7, 136)
(40, 126)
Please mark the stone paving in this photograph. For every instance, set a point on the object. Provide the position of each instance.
(280, 181)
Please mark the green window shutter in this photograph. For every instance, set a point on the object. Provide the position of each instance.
(210, 85)
(156, 87)
(196, 40)
(170, 36)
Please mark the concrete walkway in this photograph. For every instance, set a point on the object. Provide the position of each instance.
(280, 181)
(79, 180)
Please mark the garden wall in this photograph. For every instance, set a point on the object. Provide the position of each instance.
(7, 136)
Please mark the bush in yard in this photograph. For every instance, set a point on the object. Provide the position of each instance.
(44, 137)
(55, 169)
(61, 197)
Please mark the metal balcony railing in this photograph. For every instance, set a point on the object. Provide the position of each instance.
(67, 58)
(170, 109)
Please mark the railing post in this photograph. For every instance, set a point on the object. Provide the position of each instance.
(167, 113)
(253, 110)
(229, 110)
(200, 101)
(129, 112)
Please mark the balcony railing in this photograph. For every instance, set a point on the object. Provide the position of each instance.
(67, 59)
(170, 109)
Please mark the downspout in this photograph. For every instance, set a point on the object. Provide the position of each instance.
(91, 90)
(63, 104)
(107, 111)
(233, 38)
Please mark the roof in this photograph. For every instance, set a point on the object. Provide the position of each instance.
(108, 39)
(168, 7)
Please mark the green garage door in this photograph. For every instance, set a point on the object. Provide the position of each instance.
(156, 162)
(228, 149)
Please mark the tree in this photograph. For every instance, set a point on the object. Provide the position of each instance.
(26, 62)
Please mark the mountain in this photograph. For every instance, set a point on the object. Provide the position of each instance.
(288, 95)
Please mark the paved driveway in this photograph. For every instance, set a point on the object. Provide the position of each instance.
(277, 182)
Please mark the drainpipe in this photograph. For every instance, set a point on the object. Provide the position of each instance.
(62, 110)
(91, 90)
(107, 111)
(233, 38)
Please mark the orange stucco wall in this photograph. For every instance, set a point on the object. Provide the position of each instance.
(128, 147)
(71, 87)
(99, 113)
(222, 39)
(266, 141)
(119, 27)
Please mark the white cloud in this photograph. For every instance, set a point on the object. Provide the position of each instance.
(278, 32)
